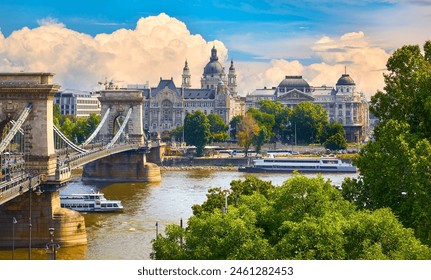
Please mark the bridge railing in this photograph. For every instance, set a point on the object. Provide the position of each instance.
(17, 186)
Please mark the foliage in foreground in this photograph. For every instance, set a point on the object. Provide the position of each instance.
(305, 218)
(395, 168)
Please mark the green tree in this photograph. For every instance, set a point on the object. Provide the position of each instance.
(67, 128)
(407, 87)
(281, 115)
(336, 142)
(259, 140)
(197, 131)
(218, 128)
(234, 123)
(92, 122)
(395, 174)
(310, 119)
(395, 167)
(331, 129)
(178, 132)
(247, 130)
(264, 120)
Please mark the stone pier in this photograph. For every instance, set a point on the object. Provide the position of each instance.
(46, 213)
(128, 166)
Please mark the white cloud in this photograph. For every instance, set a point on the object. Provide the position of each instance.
(158, 47)
(49, 21)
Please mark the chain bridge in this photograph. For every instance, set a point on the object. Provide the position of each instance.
(37, 159)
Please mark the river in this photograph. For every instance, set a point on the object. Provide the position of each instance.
(127, 235)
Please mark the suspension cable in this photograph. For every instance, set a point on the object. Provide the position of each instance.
(68, 142)
(15, 127)
(105, 116)
(123, 125)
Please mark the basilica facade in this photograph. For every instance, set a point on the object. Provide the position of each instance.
(166, 105)
(342, 103)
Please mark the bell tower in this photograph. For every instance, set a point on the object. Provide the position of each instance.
(186, 76)
(231, 78)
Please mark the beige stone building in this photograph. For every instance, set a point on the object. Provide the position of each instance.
(342, 103)
(166, 105)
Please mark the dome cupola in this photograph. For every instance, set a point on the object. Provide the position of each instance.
(293, 82)
(213, 67)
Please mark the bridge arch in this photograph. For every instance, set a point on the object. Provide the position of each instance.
(119, 102)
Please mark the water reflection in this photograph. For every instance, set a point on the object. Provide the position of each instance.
(127, 235)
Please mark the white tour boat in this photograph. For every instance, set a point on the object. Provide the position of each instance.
(314, 165)
(94, 202)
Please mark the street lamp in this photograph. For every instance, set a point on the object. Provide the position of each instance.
(13, 237)
(52, 245)
(226, 194)
(29, 218)
(38, 192)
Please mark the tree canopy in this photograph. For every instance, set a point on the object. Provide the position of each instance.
(395, 168)
(310, 120)
(407, 90)
(281, 116)
(218, 128)
(75, 129)
(197, 131)
(304, 218)
(247, 130)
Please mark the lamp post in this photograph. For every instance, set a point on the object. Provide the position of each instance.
(52, 245)
(157, 229)
(13, 237)
(226, 194)
(29, 218)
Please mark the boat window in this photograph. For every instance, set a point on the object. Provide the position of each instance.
(328, 161)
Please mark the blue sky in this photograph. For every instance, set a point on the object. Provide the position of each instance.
(251, 31)
(213, 19)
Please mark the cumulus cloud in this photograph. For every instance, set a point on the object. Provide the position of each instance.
(364, 63)
(159, 46)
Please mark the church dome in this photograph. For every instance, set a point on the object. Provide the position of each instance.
(294, 82)
(345, 80)
(214, 66)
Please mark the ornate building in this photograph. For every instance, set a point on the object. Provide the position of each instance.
(342, 103)
(166, 105)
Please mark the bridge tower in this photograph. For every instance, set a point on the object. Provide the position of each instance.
(27, 99)
(17, 92)
(119, 102)
(124, 113)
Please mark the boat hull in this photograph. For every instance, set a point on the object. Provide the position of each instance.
(94, 210)
(291, 170)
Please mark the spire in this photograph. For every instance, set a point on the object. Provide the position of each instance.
(186, 76)
(186, 65)
(214, 56)
(231, 65)
(231, 81)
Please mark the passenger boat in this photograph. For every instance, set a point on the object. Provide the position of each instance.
(314, 165)
(94, 202)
